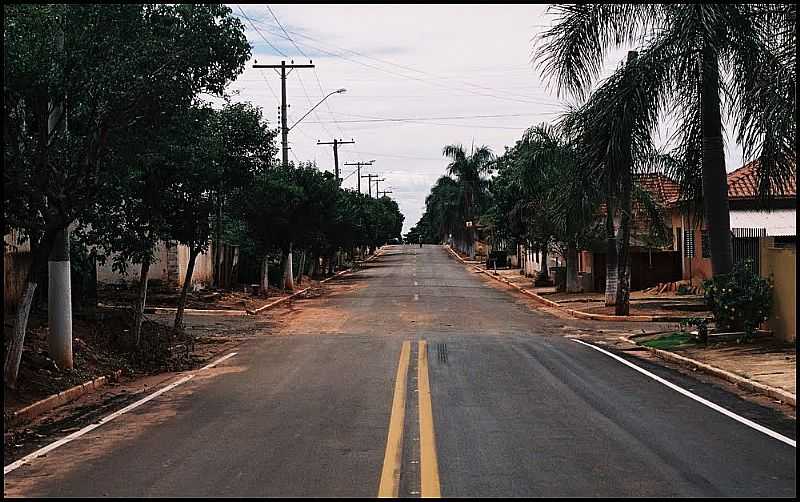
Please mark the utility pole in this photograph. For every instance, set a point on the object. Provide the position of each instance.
(384, 193)
(336, 143)
(284, 128)
(359, 165)
(369, 182)
(376, 185)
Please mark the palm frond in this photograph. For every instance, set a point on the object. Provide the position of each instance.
(572, 51)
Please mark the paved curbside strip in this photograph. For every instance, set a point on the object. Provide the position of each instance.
(743, 382)
(338, 274)
(171, 310)
(32, 411)
(574, 313)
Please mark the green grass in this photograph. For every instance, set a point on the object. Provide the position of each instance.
(670, 341)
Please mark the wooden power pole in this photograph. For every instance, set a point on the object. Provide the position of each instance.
(336, 143)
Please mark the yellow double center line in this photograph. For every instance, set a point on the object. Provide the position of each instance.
(393, 458)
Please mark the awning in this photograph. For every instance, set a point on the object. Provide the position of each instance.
(778, 222)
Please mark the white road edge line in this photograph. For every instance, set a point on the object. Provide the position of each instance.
(713, 406)
(61, 442)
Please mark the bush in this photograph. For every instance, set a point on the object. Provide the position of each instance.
(740, 300)
(702, 327)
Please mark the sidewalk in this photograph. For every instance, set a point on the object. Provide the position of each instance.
(768, 367)
(773, 366)
(590, 306)
(761, 366)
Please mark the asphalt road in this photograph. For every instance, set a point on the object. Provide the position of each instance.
(518, 409)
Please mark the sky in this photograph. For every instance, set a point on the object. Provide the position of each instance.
(417, 78)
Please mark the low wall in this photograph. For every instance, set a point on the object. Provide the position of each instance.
(781, 265)
(203, 272)
(159, 270)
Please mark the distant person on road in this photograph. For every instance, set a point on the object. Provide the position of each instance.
(420, 241)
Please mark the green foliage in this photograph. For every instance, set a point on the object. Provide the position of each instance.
(86, 86)
(740, 300)
(306, 207)
(670, 341)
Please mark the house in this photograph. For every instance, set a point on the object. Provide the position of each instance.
(766, 236)
(651, 262)
(749, 223)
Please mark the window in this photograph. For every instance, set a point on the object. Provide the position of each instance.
(688, 242)
(704, 244)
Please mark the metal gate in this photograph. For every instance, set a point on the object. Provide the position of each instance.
(746, 245)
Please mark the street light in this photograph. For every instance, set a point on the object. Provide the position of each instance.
(337, 91)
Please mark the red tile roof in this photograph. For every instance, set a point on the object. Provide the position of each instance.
(663, 188)
(743, 183)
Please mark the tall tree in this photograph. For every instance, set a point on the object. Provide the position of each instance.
(246, 147)
(615, 126)
(123, 68)
(558, 188)
(469, 171)
(692, 56)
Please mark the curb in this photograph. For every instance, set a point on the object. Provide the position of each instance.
(334, 276)
(574, 313)
(171, 310)
(32, 411)
(743, 382)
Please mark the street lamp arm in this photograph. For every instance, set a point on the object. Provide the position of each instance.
(315, 106)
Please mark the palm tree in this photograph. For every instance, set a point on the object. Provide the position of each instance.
(559, 191)
(690, 56)
(615, 127)
(469, 170)
(442, 209)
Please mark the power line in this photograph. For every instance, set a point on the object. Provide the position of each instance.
(409, 119)
(395, 155)
(316, 75)
(259, 32)
(401, 74)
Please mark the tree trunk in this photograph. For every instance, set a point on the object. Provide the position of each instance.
(265, 275)
(35, 275)
(59, 302)
(14, 353)
(314, 265)
(300, 268)
(622, 306)
(545, 268)
(715, 179)
(143, 276)
(572, 267)
(187, 283)
(218, 239)
(611, 255)
(288, 273)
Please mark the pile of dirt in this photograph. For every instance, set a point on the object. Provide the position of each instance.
(164, 296)
(101, 346)
(161, 347)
